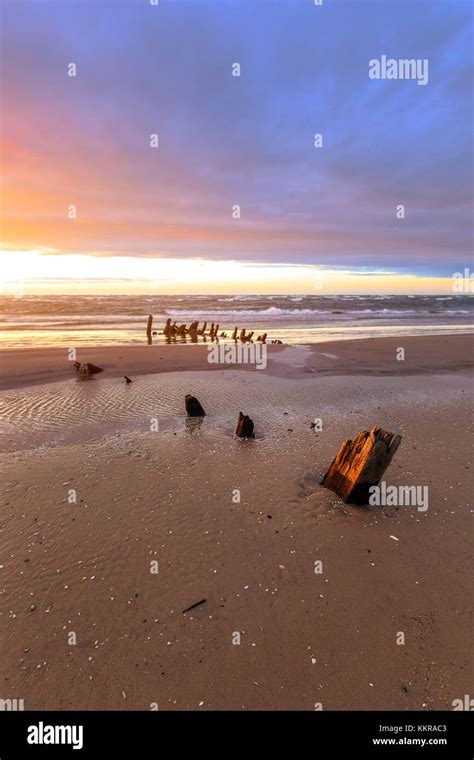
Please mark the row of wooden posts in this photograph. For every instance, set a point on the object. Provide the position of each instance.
(172, 330)
(193, 329)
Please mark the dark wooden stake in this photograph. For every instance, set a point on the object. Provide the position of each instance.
(245, 427)
(360, 464)
(193, 407)
(148, 328)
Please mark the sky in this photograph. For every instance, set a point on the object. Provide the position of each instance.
(88, 205)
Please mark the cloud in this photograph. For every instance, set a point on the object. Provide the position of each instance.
(248, 140)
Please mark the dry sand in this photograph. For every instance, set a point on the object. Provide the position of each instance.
(169, 496)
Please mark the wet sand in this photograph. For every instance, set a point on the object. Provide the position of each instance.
(437, 353)
(170, 496)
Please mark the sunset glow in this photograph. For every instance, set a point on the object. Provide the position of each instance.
(33, 272)
(91, 204)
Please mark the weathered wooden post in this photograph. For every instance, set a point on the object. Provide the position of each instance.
(245, 427)
(148, 328)
(193, 407)
(360, 464)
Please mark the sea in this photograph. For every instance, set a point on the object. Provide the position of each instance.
(82, 320)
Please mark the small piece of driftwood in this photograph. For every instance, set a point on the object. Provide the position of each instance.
(196, 604)
(127, 379)
(360, 464)
(245, 427)
(193, 407)
(86, 368)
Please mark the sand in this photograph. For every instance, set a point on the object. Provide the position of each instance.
(437, 353)
(170, 496)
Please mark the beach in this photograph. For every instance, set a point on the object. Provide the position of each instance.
(236, 375)
(102, 480)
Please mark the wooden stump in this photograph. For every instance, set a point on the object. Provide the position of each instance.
(86, 368)
(360, 464)
(245, 428)
(193, 332)
(193, 407)
(148, 328)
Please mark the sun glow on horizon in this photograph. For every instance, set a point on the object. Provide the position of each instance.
(46, 272)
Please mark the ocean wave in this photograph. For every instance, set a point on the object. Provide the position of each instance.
(235, 298)
(77, 319)
(332, 312)
(277, 311)
(272, 310)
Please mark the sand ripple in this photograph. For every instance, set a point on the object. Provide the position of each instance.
(68, 411)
